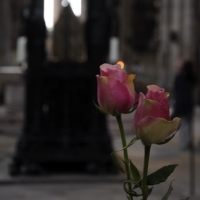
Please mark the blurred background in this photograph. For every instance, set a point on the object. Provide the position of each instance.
(52, 136)
(153, 33)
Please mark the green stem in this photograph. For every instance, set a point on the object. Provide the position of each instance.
(126, 158)
(144, 187)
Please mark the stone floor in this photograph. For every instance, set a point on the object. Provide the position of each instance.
(107, 187)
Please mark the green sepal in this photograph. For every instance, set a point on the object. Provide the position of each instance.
(169, 138)
(134, 172)
(135, 138)
(168, 192)
(132, 109)
(115, 113)
(115, 158)
(99, 109)
(160, 175)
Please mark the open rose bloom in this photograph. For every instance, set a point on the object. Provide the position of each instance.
(115, 90)
(152, 123)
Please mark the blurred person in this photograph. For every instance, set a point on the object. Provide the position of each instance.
(183, 96)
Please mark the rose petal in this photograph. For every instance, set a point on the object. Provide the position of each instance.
(157, 94)
(149, 108)
(153, 131)
(104, 67)
(113, 71)
(130, 86)
(155, 87)
(159, 97)
(113, 95)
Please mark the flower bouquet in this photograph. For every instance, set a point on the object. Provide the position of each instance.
(152, 124)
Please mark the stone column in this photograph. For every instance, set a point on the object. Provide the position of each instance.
(175, 40)
(4, 33)
(163, 53)
(170, 40)
(188, 30)
(4, 40)
(57, 9)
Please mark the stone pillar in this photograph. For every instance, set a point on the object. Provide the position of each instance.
(84, 6)
(4, 40)
(175, 40)
(57, 9)
(188, 30)
(163, 53)
(4, 33)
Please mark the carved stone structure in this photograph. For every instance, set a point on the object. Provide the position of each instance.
(63, 130)
(73, 135)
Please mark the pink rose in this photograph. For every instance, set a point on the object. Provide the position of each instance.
(115, 90)
(152, 123)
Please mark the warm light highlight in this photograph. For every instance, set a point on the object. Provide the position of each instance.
(121, 64)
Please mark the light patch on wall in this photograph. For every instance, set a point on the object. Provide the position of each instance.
(49, 10)
(49, 13)
(75, 5)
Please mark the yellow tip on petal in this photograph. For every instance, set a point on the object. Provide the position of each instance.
(121, 64)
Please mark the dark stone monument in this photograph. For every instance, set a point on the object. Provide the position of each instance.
(63, 131)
